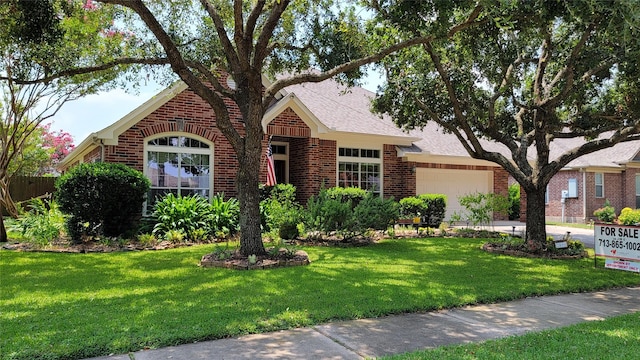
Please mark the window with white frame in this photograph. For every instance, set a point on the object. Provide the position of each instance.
(599, 180)
(177, 164)
(360, 168)
(546, 195)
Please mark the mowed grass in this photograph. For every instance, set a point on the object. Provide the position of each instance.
(613, 338)
(56, 306)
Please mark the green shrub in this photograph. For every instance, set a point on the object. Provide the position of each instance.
(411, 207)
(514, 201)
(101, 198)
(607, 213)
(431, 208)
(480, 206)
(281, 212)
(326, 214)
(436, 208)
(329, 213)
(345, 194)
(185, 214)
(376, 213)
(224, 215)
(43, 223)
(629, 216)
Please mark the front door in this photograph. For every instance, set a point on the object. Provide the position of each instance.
(281, 161)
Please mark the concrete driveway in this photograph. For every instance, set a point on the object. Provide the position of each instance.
(558, 232)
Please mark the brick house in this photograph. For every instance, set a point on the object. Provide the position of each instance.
(321, 135)
(611, 174)
(324, 135)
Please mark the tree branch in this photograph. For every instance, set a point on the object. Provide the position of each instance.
(90, 69)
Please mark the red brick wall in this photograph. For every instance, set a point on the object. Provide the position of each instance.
(619, 189)
(199, 119)
(93, 156)
(398, 179)
(288, 124)
(613, 191)
(629, 188)
(501, 187)
(312, 163)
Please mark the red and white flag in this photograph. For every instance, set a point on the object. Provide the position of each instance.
(271, 171)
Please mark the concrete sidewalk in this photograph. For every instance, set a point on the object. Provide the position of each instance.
(358, 339)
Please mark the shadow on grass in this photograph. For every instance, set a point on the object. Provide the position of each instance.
(82, 305)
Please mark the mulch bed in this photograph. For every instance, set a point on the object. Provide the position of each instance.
(506, 250)
(237, 261)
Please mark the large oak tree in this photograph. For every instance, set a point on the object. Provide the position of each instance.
(526, 75)
(199, 40)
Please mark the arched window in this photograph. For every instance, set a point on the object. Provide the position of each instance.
(180, 164)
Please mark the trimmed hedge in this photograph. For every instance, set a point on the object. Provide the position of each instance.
(101, 199)
(431, 208)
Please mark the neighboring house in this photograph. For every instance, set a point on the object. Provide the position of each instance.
(322, 136)
(611, 174)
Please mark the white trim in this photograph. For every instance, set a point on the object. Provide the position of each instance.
(595, 190)
(283, 157)
(360, 160)
(165, 148)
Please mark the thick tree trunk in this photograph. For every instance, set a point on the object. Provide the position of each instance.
(248, 180)
(536, 235)
(249, 199)
(3, 230)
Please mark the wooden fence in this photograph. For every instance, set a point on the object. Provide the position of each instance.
(28, 187)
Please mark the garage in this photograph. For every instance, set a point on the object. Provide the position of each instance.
(453, 183)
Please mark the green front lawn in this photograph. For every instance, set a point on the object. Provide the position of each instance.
(613, 338)
(81, 305)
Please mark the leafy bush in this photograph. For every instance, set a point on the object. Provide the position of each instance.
(480, 206)
(224, 217)
(629, 216)
(43, 223)
(281, 212)
(607, 213)
(376, 213)
(514, 201)
(411, 207)
(326, 214)
(185, 214)
(431, 208)
(345, 194)
(101, 198)
(436, 205)
(329, 213)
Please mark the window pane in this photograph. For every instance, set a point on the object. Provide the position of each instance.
(348, 174)
(599, 180)
(370, 177)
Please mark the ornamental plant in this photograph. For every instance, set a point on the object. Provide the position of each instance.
(184, 214)
(629, 216)
(101, 199)
(607, 213)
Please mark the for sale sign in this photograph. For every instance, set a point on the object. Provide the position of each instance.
(620, 242)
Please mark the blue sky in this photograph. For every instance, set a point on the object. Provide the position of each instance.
(95, 112)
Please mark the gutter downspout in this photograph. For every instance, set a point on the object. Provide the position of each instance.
(101, 150)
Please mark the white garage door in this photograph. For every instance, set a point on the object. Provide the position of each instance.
(453, 183)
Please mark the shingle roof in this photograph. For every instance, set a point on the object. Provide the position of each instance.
(349, 110)
(345, 110)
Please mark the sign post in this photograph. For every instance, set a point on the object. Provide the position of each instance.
(620, 245)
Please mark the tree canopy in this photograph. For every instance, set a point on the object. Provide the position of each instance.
(39, 42)
(203, 40)
(525, 75)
